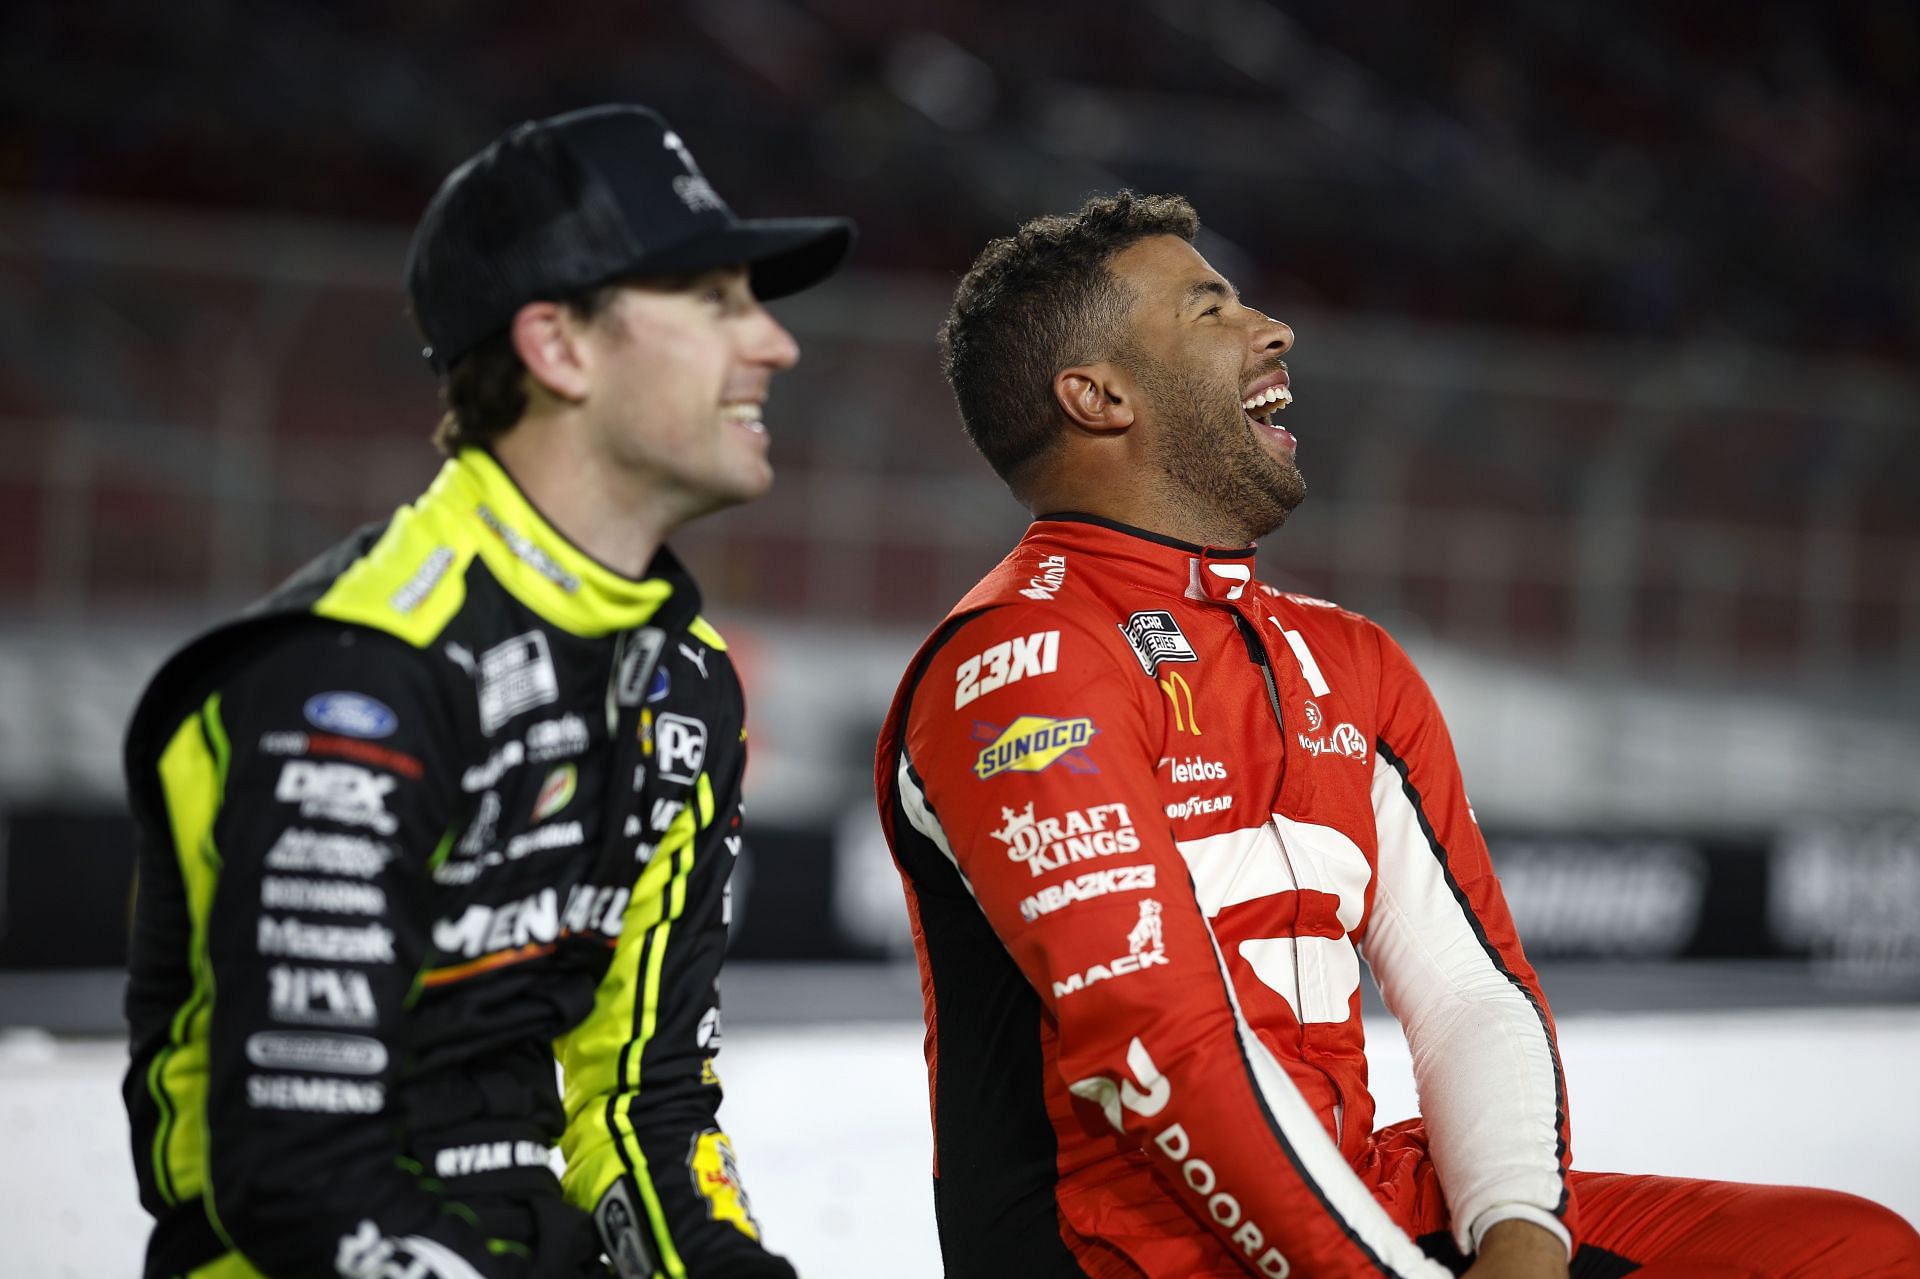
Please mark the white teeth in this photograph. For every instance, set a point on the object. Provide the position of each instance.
(745, 414)
(1272, 395)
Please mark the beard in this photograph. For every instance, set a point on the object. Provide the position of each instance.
(1208, 450)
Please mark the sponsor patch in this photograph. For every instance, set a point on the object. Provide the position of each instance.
(680, 742)
(1156, 639)
(297, 939)
(1050, 577)
(1345, 740)
(633, 669)
(350, 714)
(515, 675)
(1097, 883)
(1311, 709)
(319, 1096)
(1082, 834)
(329, 853)
(527, 552)
(556, 792)
(697, 656)
(367, 1254)
(1198, 805)
(414, 591)
(1033, 743)
(344, 793)
(1195, 769)
(316, 1050)
(561, 738)
(621, 1236)
(328, 895)
(320, 996)
(661, 686)
(1145, 949)
(708, 1035)
(716, 1179)
(332, 744)
(1007, 662)
(558, 835)
(483, 776)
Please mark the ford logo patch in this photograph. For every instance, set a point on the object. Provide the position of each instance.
(353, 714)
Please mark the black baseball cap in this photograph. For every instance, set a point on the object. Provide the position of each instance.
(562, 205)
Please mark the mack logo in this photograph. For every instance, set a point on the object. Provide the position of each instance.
(1098, 883)
(1155, 639)
(1035, 742)
(344, 793)
(1051, 577)
(1145, 949)
(1007, 662)
(1048, 843)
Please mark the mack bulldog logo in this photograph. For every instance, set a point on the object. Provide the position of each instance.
(1145, 949)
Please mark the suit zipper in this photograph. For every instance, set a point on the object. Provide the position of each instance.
(1258, 653)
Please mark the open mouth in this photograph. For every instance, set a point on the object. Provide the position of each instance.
(1266, 405)
(745, 414)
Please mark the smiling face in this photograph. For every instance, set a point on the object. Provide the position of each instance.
(681, 371)
(1210, 379)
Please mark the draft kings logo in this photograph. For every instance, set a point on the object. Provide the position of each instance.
(1048, 843)
(1033, 743)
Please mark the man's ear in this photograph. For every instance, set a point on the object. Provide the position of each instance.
(1095, 397)
(547, 338)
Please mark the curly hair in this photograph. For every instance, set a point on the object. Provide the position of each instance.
(485, 392)
(1038, 301)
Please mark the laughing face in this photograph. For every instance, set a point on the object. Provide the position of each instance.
(683, 371)
(1212, 385)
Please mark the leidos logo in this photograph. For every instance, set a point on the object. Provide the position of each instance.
(1032, 743)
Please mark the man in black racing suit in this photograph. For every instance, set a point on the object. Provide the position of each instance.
(464, 795)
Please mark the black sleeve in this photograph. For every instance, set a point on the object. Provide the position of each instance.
(645, 1150)
(326, 761)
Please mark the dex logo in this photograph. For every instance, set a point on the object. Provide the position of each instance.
(680, 743)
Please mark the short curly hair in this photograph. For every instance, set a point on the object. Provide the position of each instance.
(1038, 301)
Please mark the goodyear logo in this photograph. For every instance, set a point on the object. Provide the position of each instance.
(1031, 743)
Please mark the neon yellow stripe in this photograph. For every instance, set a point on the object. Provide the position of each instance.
(230, 1266)
(193, 775)
(702, 630)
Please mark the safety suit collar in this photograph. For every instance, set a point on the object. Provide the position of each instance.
(1215, 574)
(547, 572)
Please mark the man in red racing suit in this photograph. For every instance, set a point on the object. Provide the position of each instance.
(1152, 813)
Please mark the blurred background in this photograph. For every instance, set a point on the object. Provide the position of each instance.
(1608, 394)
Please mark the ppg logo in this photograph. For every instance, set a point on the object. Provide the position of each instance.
(680, 742)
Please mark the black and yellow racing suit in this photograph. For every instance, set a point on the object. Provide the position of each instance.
(453, 802)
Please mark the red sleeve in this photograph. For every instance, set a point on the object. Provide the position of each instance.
(1442, 945)
(1029, 757)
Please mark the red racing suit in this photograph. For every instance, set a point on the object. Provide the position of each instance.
(1150, 815)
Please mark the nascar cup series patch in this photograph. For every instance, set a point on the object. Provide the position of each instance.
(1032, 743)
